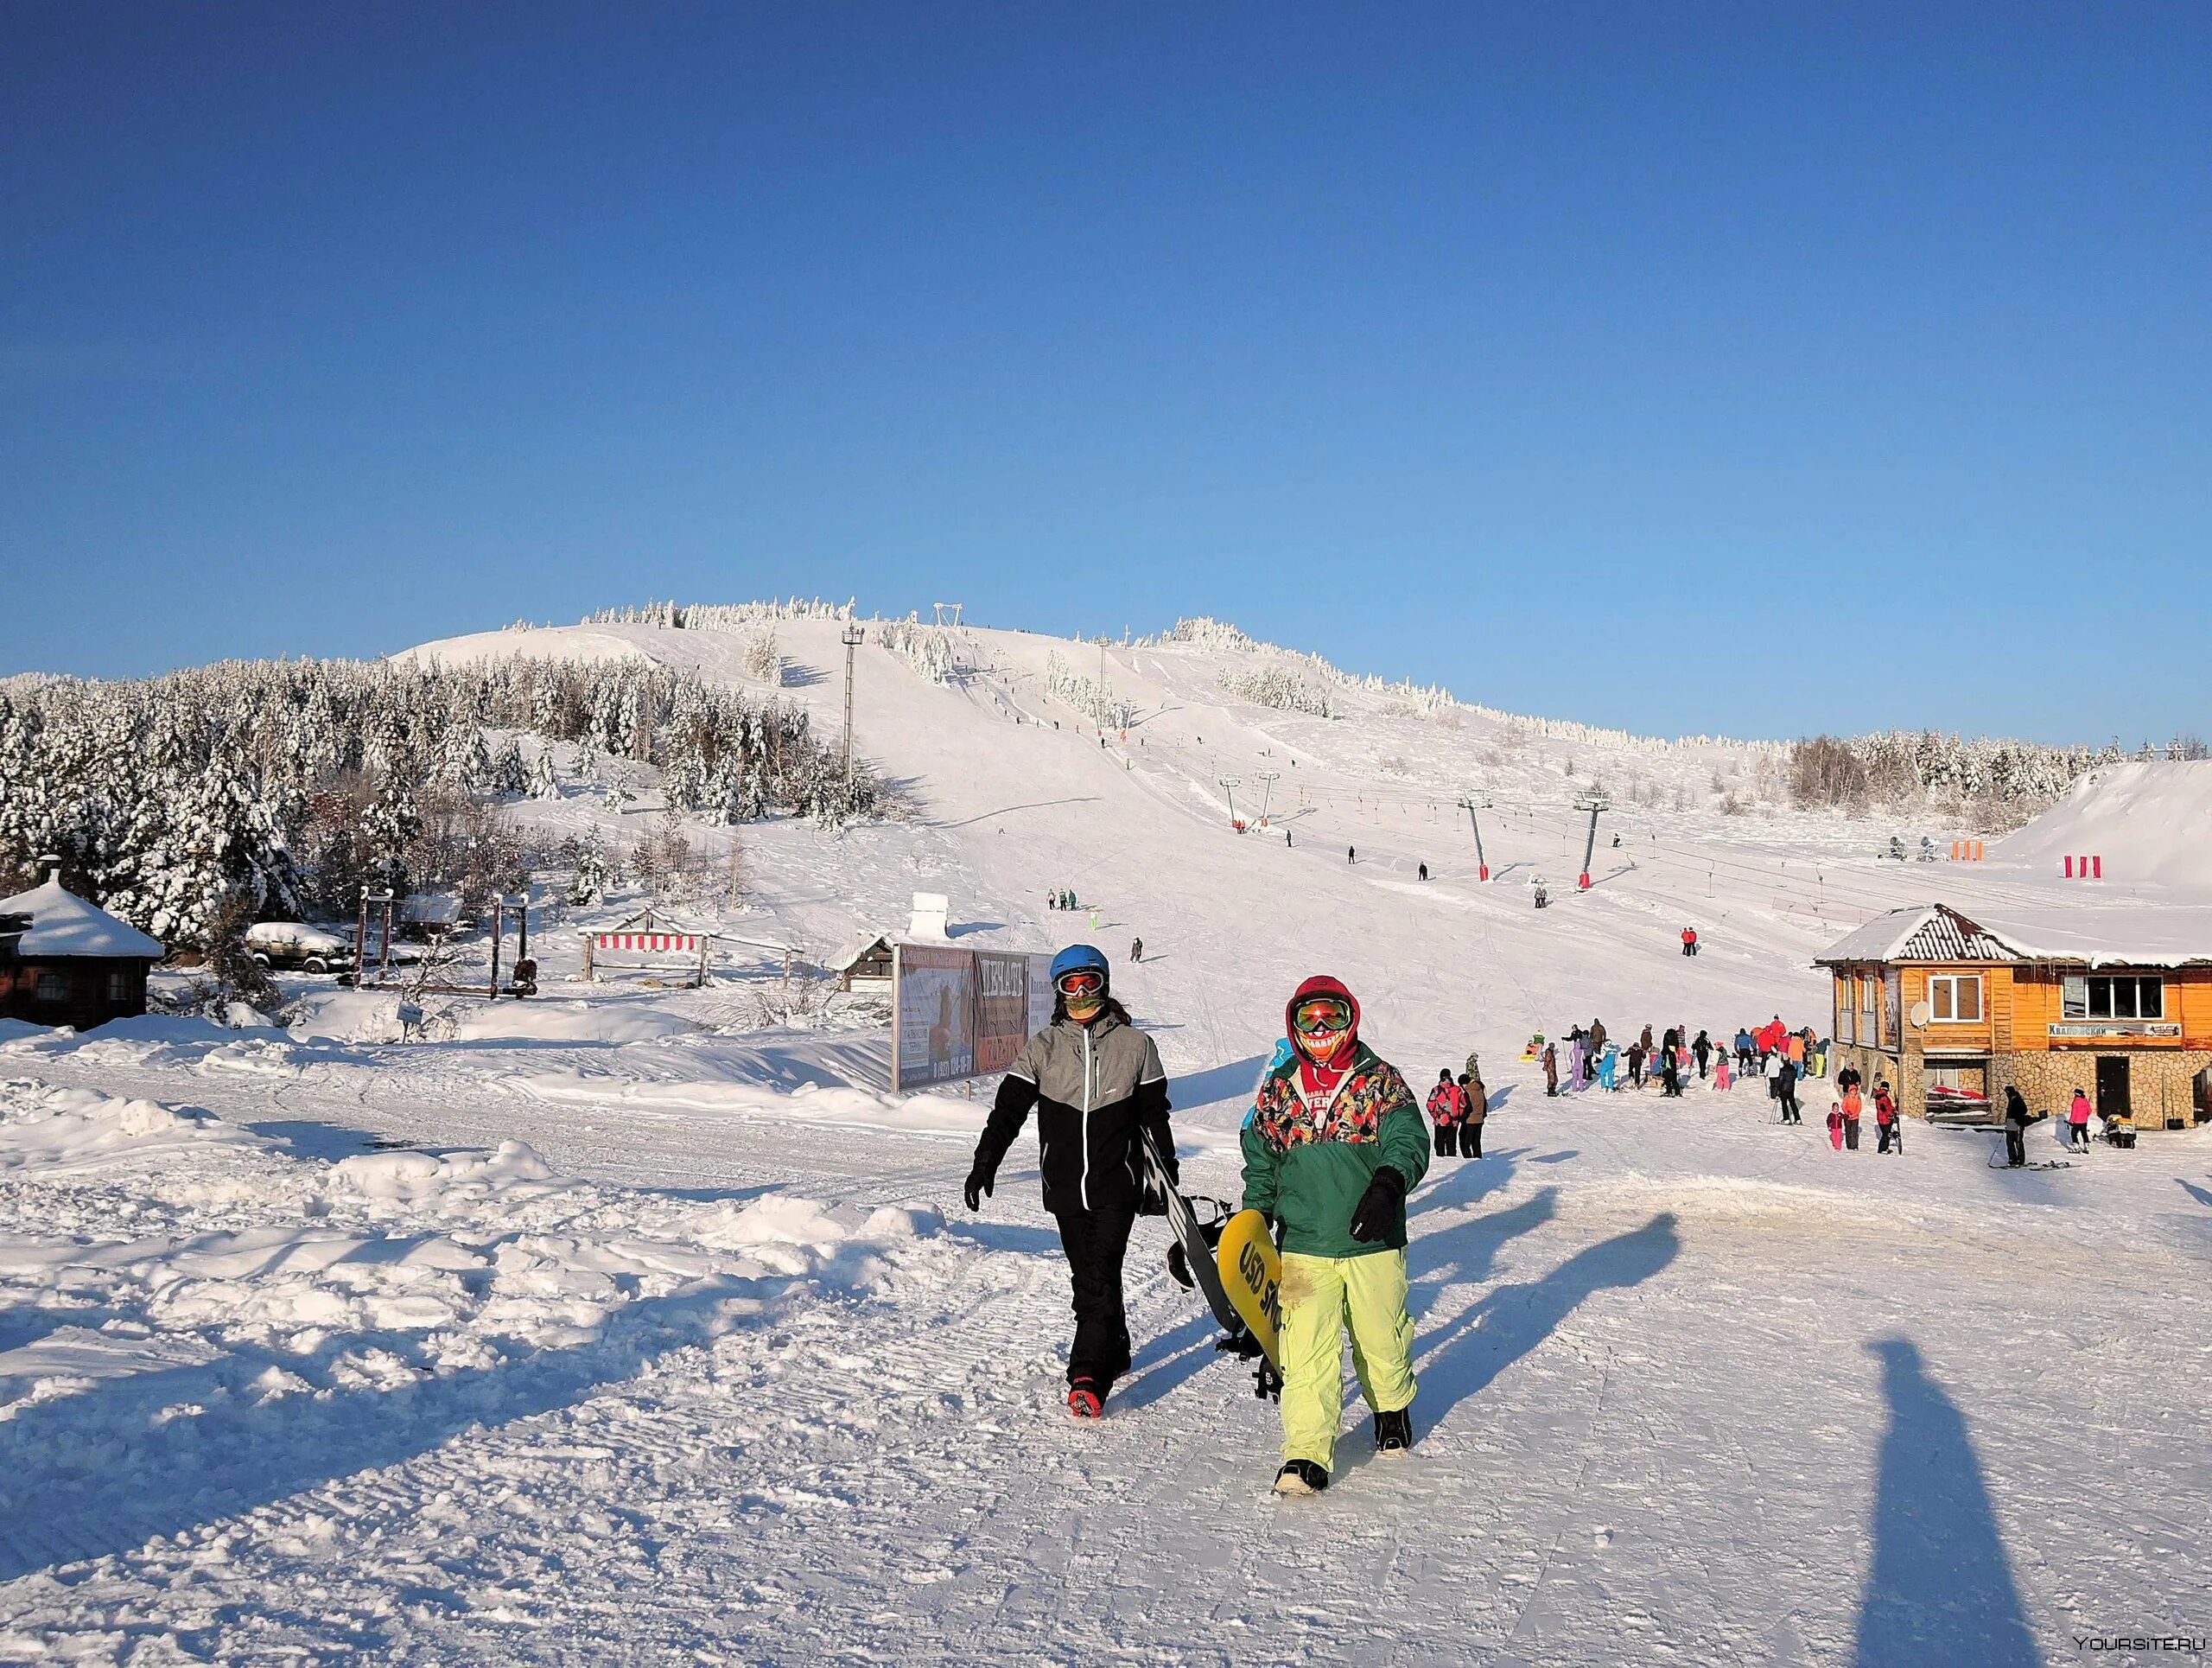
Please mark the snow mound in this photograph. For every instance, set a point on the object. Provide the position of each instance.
(50, 1130)
(352, 1016)
(418, 1177)
(2147, 821)
(567, 1021)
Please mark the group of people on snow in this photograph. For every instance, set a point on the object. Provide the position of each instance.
(1850, 1107)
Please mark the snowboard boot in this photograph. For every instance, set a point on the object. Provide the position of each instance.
(1394, 1432)
(1300, 1477)
(1083, 1400)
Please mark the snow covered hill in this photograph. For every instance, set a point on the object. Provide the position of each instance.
(2149, 824)
(1019, 790)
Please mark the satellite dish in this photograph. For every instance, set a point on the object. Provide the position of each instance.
(1922, 1013)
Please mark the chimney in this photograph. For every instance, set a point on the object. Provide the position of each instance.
(50, 862)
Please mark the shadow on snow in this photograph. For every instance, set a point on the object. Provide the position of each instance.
(1939, 1589)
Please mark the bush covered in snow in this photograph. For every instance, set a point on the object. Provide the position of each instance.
(1278, 687)
(927, 649)
(1094, 700)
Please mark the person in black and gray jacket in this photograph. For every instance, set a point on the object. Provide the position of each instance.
(1095, 1081)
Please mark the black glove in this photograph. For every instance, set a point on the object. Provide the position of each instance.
(1376, 1213)
(979, 1186)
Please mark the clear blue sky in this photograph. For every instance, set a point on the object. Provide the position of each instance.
(1757, 368)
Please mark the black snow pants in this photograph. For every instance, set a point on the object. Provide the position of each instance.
(1790, 1114)
(1470, 1140)
(2016, 1146)
(1851, 1134)
(1095, 1242)
(1447, 1142)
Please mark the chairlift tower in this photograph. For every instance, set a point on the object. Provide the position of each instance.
(851, 637)
(1593, 804)
(941, 607)
(1228, 785)
(1472, 804)
(1267, 792)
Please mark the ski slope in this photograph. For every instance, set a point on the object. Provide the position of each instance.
(617, 1327)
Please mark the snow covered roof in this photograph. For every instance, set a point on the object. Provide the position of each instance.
(63, 924)
(864, 947)
(2095, 935)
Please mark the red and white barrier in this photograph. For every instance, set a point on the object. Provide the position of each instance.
(2091, 868)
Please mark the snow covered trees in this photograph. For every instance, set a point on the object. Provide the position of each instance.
(1278, 687)
(295, 782)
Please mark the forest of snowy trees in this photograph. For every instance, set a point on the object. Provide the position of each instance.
(290, 784)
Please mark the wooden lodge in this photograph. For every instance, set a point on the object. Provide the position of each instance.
(1954, 1011)
(64, 961)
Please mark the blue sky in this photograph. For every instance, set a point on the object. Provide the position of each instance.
(1745, 368)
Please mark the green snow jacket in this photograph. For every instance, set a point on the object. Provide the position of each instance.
(1309, 1176)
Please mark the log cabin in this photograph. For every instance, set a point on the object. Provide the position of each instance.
(1954, 1010)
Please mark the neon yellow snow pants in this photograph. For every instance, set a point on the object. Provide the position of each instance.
(1321, 1296)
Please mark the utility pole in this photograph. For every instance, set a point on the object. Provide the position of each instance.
(1593, 804)
(1267, 792)
(1228, 785)
(851, 637)
(1472, 804)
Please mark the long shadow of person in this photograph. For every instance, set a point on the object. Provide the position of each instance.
(1939, 1589)
(1468, 1251)
(1462, 1358)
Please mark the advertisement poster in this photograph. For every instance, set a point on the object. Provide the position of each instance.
(934, 1020)
(964, 1012)
(1002, 1011)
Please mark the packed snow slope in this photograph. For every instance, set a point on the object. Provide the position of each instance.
(616, 1326)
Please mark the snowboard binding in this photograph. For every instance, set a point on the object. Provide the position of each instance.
(1214, 1218)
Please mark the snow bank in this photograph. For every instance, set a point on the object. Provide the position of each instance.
(48, 1131)
(340, 1016)
(567, 1021)
(806, 1102)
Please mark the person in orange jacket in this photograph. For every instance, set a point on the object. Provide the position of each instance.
(1854, 1107)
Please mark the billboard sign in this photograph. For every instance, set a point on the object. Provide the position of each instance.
(959, 1014)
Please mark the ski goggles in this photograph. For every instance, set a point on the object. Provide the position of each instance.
(1083, 981)
(1319, 1015)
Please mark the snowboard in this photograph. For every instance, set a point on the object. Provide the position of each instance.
(1183, 1222)
(1251, 1272)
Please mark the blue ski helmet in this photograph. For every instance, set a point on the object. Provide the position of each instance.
(1076, 957)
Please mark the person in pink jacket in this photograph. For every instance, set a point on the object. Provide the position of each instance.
(2078, 1123)
(1447, 1105)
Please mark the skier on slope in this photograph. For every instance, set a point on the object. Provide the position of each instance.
(1095, 1080)
(1333, 1145)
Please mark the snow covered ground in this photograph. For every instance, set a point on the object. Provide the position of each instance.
(614, 1326)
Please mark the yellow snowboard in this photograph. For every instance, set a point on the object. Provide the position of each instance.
(1251, 1273)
